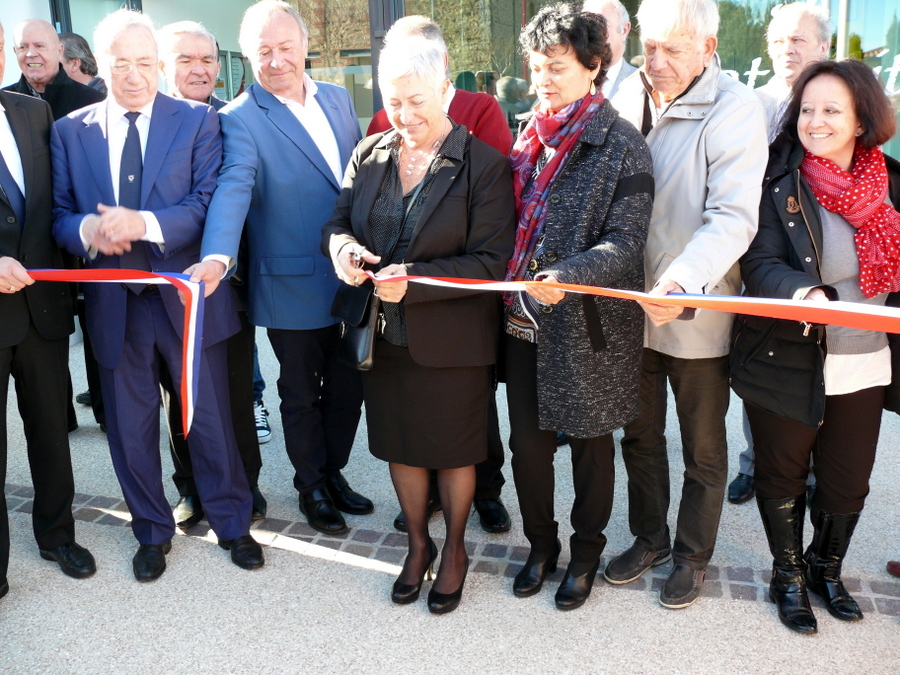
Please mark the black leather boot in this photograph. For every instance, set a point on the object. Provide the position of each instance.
(824, 557)
(783, 522)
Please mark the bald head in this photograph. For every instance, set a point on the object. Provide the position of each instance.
(38, 51)
(618, 24)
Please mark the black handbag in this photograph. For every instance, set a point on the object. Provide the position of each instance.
(358, 309)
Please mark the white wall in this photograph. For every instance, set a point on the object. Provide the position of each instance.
(221, 17)
(13, 13)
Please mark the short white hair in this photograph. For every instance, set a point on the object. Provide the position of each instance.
(114, 25)
(412, 57)
(795, 11)
(256, 17)
(168, 35)
(659, 19)
(597, 7)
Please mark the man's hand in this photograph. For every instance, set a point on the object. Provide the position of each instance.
(96, 240)
(660, 315)
(210, 272)
(391, 291)
(549, 296)
(817, 295)
(13, 277)
(119, 224)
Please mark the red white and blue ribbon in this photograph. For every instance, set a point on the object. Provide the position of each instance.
(848, 314)
(192, 337)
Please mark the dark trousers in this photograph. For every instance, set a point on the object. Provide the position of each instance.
(533, 450)
(843, 450)
(240, 386)
(489, 478)
(701, 394)
(91, 369)
(40, 369)
(131, 394)
(321, 402)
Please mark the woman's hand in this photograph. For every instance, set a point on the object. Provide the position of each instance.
(548, 295)
(391, 291)
(349, 262)
(660, 315)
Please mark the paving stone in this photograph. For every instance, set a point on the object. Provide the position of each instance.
(26, 506)
(486, 567)
(865, 604)
(390, 555)
(24, 491)
(395, 539)
(519, 553)
(87, 514)
(12, 503)
(639, 584)
(361, 551)
(713, 589)
(742, 592)
(739, 574)
(103, 502)
(885, 588)
(494, 551)
(329, 543)
(80, 498)
(512, 569)
(657, 584)
(110, 519)
(852, 584)
(367, 536)
(888, 607)
(302, 529)
(271, 525)
(712, 572)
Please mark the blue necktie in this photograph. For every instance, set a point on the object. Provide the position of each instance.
(130, 171)
(13, 193)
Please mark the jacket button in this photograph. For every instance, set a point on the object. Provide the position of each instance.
(555, 199)
(808, 259)
(546, 309)
(771, 353)
(10, 219)
(551, 256)
(790, 224)
(533, 265)
(776, 190)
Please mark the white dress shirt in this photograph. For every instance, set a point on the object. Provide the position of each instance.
(611, 76)
(10, 151)
(313, 119)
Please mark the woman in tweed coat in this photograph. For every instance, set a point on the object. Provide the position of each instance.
(584, 195)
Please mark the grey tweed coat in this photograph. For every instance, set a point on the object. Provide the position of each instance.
(589, 348)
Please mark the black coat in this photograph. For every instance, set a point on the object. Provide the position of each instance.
(778, 365)
(64, 94)
(44, 304)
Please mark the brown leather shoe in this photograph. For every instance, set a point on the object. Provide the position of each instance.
(893, 567)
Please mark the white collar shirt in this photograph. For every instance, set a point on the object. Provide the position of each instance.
(611, 76)
(10, 150)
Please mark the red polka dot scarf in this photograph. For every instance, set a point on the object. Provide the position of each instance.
(859, 197)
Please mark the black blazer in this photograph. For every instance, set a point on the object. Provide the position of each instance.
(466, 230)
(47, 304)
(64, 94)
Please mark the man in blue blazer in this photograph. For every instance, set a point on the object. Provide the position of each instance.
(287, 140)
(156, 158)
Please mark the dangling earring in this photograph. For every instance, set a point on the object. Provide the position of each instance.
(593, 88)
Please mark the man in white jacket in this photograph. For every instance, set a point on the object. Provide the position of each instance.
(707, 134)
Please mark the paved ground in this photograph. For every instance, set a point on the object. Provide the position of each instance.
(321, 603)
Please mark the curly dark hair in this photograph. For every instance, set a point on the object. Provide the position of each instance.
(872, 107)
(565, 25)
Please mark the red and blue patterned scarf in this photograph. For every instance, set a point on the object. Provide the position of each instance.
(559, 131)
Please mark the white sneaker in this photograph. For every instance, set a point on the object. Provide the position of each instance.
(263, 431)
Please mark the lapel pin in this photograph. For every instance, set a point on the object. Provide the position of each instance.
(130, 178)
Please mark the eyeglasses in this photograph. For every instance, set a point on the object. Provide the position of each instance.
(124, 67)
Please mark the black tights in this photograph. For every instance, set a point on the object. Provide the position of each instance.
(457, 489)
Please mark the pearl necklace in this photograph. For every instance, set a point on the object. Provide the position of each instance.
(417, 161)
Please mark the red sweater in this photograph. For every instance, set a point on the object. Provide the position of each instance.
(480, 113)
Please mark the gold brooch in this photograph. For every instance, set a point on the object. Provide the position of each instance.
(792, 205)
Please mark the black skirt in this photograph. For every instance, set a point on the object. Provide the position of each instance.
(434, 418)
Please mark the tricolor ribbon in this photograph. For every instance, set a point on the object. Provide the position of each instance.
(192, 339)
(847, 314)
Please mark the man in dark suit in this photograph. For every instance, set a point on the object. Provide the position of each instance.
(34, 330)
(287, 140)
(189, 62)
(157, 158)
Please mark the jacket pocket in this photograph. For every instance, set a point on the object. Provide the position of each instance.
(749, 340)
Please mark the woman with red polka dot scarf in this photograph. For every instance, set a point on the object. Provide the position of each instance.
(828, 230)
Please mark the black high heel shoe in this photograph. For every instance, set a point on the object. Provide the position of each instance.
(531, 577)
(404, 594)
(444, 603)
(575, 589)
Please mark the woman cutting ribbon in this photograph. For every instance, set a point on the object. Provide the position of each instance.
(828, 230)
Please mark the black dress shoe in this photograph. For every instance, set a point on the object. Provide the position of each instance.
(434, 505)
(344, 497)
(188, 512)
(741, 489)
(576, 589)
(260, 505)
(444, 603)
(493, 515)
(530, 578)
(74, 560)
(4, 588)
(245, 552)
(84, 398)
(404, 594)
(150, 561)
(320, 512)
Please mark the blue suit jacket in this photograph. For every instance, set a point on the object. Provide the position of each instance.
(274, 178)
(181, 161)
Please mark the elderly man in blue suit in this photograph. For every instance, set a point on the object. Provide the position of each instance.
(287, 140)
(132, 178)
